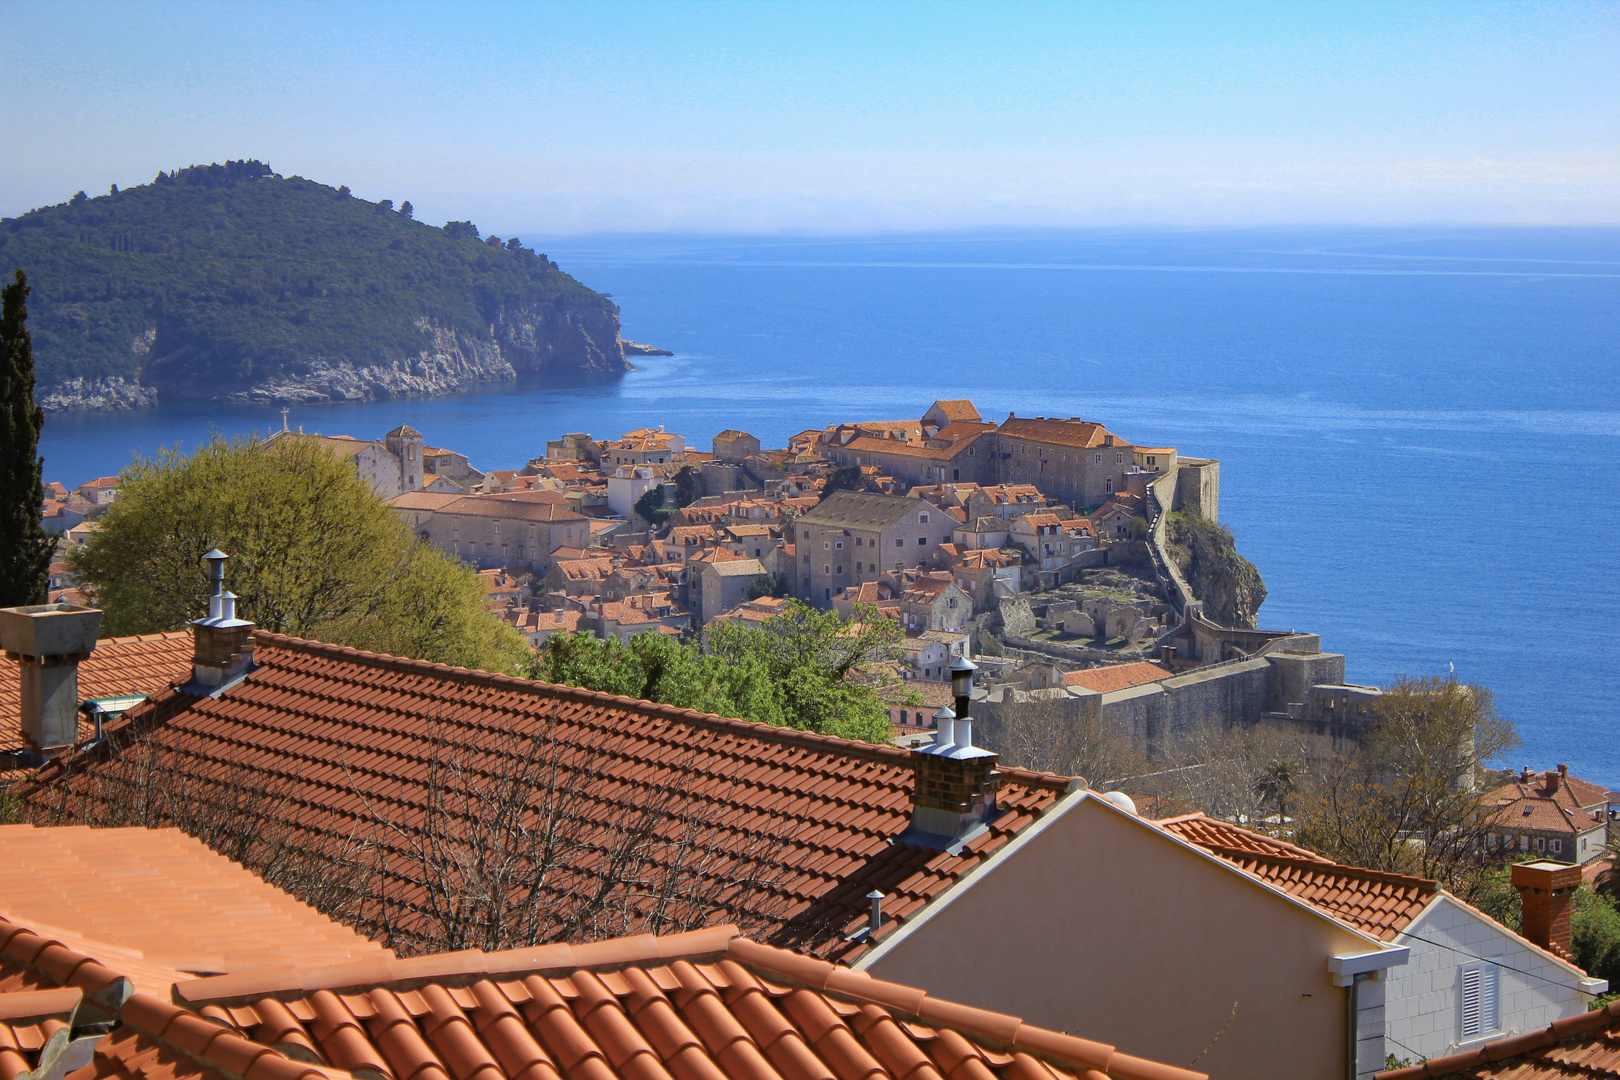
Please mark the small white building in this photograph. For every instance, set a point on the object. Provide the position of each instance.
(628, 484)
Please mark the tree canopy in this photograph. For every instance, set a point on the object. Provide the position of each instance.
(243, 275)
(314, 553)
(792, 671)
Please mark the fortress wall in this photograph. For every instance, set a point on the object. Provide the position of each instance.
(1159, 712)
(1198, 487)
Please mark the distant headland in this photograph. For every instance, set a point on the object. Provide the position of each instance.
(232, 283)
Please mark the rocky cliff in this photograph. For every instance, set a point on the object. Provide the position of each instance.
(1207, 556)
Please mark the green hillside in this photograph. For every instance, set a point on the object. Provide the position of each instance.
(246, 276)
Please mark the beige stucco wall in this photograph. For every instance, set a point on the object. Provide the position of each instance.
(1105, 927)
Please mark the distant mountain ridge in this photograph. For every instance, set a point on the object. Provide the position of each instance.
(231, 283)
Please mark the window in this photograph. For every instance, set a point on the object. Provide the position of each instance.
(826, 545)
(840, 568)
(899, 542)
(1119, 459)
(922, 541)
(923, 518)
(826, 568)
(859, 541)
(952, 603)
(807, 558)
(1556, 845)
(1099, 459)
(857, 568)
(1476, 1006)
(899, 566)
(839, 545)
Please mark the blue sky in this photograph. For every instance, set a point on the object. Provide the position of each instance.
(828, 117)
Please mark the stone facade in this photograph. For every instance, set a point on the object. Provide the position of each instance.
(851, 538)
(490, 531)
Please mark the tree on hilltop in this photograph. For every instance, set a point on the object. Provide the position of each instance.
(25, 549)
(314, 553)
(406, 210)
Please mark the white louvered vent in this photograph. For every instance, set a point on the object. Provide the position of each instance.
(1478, 1001)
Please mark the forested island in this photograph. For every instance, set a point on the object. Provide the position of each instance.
(232, 283)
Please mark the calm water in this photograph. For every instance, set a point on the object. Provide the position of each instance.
(1418, 429)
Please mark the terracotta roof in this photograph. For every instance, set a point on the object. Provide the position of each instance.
(1079, 433)
(36, 1027)
(866, 444)
(161, 905)
(521, 505)
(127, 665)
(1583, 1046)
(338, 730)
(732, 433)
(424, 500)
(1374, 902)
(956, 409)
(694, 1006)
(1116, 676)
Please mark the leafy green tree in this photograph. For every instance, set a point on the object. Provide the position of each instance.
(78, 198)
(461, 230)
(794, 670)
(386, 204)
(688, 486)
(113, 190)
(847, 478)
(406, 210)
(650, 507)
(766, 585)
(1408, 801)
(314, 553)
(25, 549)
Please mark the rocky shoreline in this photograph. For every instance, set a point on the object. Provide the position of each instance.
(521, 342)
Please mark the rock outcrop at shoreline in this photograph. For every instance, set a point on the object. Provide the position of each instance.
(636, 348)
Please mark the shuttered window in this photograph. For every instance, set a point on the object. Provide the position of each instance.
(1478, 1005)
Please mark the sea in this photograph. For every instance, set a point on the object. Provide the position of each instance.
(1418, 428)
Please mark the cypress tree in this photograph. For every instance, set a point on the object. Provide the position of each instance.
(25, 549)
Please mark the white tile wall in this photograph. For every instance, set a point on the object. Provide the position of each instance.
(1420, 997)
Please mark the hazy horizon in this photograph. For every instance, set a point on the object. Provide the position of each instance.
(839, 119)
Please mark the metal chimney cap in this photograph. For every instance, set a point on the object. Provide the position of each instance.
(962, 663)
(874, 895)
(214, 554)
(945, 713)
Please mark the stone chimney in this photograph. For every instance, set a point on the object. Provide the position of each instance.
(1545, 891)
(224, 648)
(48, 641)
(954, 788)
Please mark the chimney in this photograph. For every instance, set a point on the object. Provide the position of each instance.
(1545, 891)
(224, 643)
(48, 641)
(954, 785)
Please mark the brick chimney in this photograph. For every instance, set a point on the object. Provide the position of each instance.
(48, 641)
(954, 786)
(1545, 891)
(224, 643)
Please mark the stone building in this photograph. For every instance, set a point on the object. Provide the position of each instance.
(721, 586)
(392, 465)
(852, 537)
(520, 529)
(1551, 814)
(735, 446)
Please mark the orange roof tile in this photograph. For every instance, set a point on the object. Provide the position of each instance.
(1374, 902)
(1116, 676)
(706, 1005)
(118, 666)
(338, 730)
(1586, 1045)
(1079, 433)
(158, 904)
(956, 409)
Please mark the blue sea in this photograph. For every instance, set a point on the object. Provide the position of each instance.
(1419, 429)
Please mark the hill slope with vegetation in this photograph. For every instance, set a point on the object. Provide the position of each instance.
(229, 282)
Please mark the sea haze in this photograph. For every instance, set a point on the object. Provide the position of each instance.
(1416, 427)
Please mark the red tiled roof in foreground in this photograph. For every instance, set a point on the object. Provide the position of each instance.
(1583, 1047)
(150, 1038)
(802, 825)
(124, 665)
(1372, 901)
(160, 905)
(707, 1005)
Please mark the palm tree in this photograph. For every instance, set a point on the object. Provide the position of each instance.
(1276, 784)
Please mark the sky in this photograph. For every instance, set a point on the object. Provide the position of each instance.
(837, 118)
